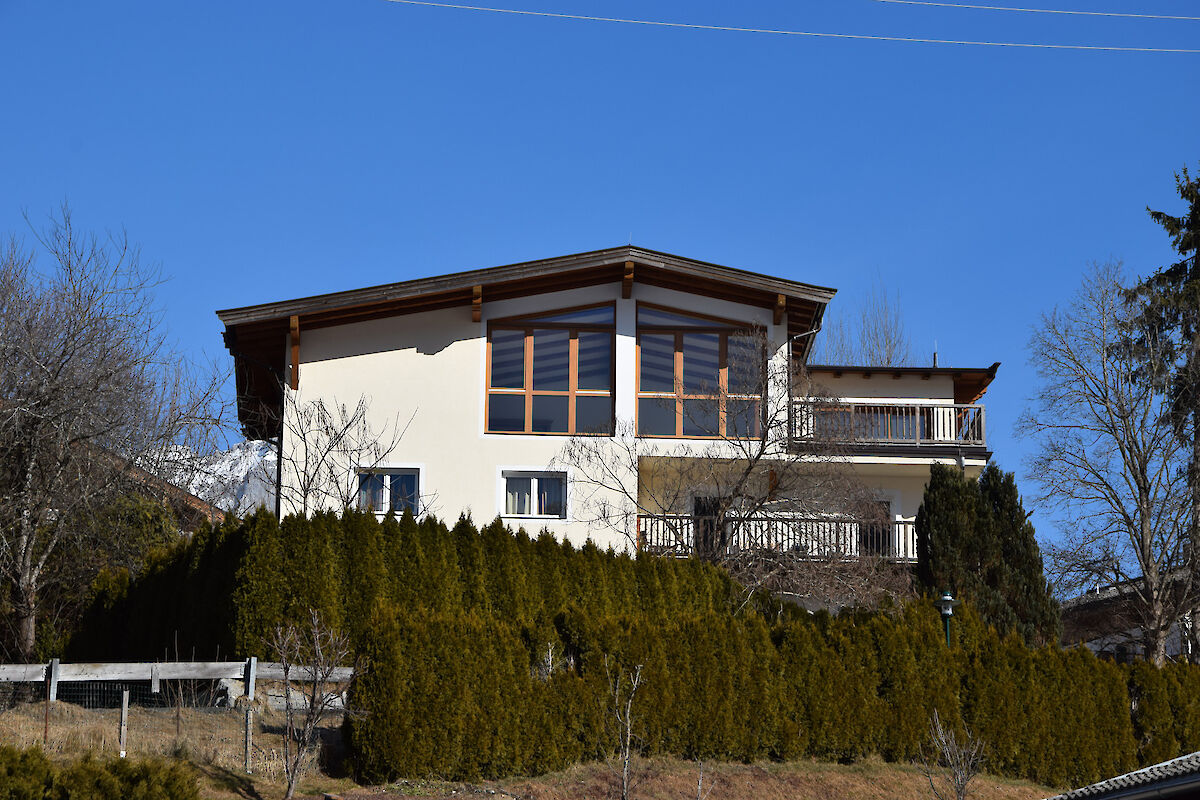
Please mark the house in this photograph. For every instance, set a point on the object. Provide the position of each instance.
(649, 365)
(1105, 619)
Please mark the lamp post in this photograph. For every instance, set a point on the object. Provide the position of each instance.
(946, 605)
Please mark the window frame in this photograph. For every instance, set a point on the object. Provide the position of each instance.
(724, 329)
(535, 475)
(388, 471)
(528, 323)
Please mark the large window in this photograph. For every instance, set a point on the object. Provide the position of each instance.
(535, 494)
(395, 490)
(698, 377)
(552, 373)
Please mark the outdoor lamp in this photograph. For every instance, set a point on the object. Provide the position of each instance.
(946, 605)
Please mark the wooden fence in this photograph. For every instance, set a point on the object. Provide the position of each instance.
(248, 671)
(54, 673)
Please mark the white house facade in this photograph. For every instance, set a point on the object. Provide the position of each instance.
(490, 373)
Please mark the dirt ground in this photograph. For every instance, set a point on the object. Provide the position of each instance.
(663, 779)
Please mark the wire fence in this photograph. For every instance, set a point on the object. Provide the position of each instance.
(222, 722)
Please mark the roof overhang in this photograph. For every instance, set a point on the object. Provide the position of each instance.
(970, 383)
(258, 335)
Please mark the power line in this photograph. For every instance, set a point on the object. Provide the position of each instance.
(1043, 10)
(781, 32)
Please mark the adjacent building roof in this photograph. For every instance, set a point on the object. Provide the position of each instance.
(1179, 777)
(258, 335)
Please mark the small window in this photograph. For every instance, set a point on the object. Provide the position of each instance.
(389, 490)
(535, 494)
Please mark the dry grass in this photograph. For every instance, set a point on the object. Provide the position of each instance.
(212, 740)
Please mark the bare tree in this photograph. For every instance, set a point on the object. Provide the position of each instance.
(93, 400)
(769, 492)
(954, 763)
(1108, 458)
(311, 657)
(324, 448)
(875, 336)
(623, 688)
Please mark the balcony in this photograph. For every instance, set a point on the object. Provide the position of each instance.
(888, 424)
(825, 539)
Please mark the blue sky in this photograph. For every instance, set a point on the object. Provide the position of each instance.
(267, 150)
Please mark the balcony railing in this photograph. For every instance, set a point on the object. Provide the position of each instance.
(676, 534)
(918, 424)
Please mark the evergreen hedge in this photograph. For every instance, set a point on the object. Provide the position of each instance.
(29, 775)
(489, 652)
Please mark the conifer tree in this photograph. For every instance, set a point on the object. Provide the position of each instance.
(974, 539)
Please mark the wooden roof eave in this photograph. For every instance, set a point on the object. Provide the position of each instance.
(594, 266)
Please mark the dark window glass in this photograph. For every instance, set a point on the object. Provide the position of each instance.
(551, 359)
(743, 420)
(370, 492)
(508, 359)
(593, 414)
(658, 362)
(745, 360)
(550, 413)
(404, 492)
(655, 316)
(552, 496)
(517, 495)
(700, 417)
(601, 315)
(595, 360)
(701, 363)
(656, 416)
(506, 412)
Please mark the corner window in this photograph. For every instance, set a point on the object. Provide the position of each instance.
(552, 373)
(535, 494)
(698, 377)
(389, 490)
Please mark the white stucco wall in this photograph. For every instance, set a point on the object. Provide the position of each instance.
(428, 371)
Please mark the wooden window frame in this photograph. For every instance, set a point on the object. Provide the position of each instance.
(528, 324)
(723, 328)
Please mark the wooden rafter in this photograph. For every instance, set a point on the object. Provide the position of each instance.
(780, 308)
(476, 303)
(627, 281)
(294, 332)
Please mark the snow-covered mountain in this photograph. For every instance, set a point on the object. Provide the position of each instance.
(238, 480)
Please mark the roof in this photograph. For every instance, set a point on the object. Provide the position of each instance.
(969, 382)
(1178, 777)
(340, 306)
(258, 335)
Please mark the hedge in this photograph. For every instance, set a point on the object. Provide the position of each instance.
(489, 652)
(29, 775)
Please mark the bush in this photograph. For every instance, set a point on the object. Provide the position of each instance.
(29, 775)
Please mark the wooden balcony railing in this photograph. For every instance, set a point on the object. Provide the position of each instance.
(676, 534)
(888, 424)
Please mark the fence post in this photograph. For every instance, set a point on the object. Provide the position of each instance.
(249, 729)
(251, 670)
(124, 718)
(154, 687)
(52, 674)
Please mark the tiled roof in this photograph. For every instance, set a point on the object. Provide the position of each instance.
(1177, 773)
